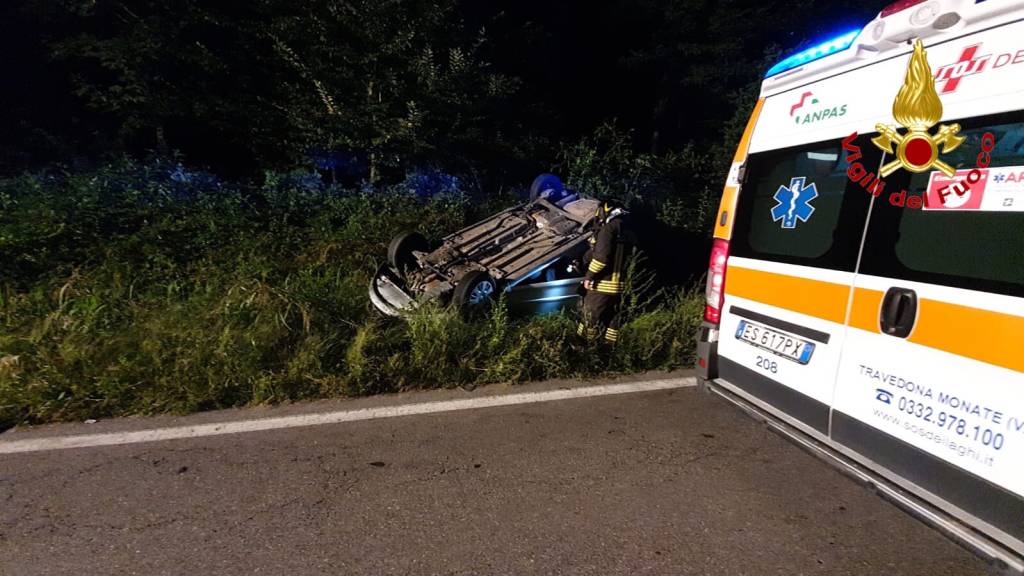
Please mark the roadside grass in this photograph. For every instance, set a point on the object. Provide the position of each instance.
(141, 288)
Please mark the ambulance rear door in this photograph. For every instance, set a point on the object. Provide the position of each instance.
(792, 255)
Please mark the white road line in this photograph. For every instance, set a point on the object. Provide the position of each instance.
(237, 427)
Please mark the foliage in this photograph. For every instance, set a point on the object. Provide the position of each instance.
(707, 59)
(681, 188)
(382, 86)
(146, 287)
(393, 81)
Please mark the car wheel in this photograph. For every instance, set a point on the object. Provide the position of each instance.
(476, 291)
(400, 251)
(546, 182)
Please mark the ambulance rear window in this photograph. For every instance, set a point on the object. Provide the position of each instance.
(980, 247)
(794, 207)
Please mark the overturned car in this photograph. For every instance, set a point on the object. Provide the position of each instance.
(532, 252)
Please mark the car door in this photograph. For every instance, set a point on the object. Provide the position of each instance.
(789, 278)
(930, 385)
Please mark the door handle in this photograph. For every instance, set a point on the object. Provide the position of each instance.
(899, 312)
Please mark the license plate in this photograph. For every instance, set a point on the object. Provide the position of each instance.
(775, 342)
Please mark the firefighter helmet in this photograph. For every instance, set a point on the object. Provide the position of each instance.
(608, 208)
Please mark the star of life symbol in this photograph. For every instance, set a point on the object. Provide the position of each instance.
(794, 202)
(999, 177)
(917, 108)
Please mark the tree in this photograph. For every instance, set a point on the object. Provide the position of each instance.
(708, 57)
(396, 81)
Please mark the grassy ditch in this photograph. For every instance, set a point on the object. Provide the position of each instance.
(144, 288)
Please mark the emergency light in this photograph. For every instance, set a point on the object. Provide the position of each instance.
(818, 52)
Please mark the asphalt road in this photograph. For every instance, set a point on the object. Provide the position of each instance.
(664, 482)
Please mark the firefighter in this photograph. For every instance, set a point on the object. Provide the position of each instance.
(605, 279)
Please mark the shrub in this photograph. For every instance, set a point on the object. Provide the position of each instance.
(144, 288)
(681, 188)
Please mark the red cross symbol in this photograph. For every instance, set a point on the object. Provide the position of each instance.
(967, 64)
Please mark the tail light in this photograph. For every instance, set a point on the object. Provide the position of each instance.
(715, 292)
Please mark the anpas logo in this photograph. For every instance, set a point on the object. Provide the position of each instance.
(970, 63)
(814, 114)
(794, 202)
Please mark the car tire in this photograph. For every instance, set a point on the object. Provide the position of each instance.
(400, 251)
(475, 292)
(545, 182)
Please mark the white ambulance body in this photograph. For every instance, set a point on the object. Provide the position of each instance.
(885, 331)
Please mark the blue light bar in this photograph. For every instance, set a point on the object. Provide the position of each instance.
(815, 53)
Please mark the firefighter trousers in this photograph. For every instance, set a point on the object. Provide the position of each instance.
(600, 316)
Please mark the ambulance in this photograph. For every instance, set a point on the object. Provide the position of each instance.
(865, 293)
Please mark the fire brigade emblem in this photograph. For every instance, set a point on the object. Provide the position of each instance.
(917, 108)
